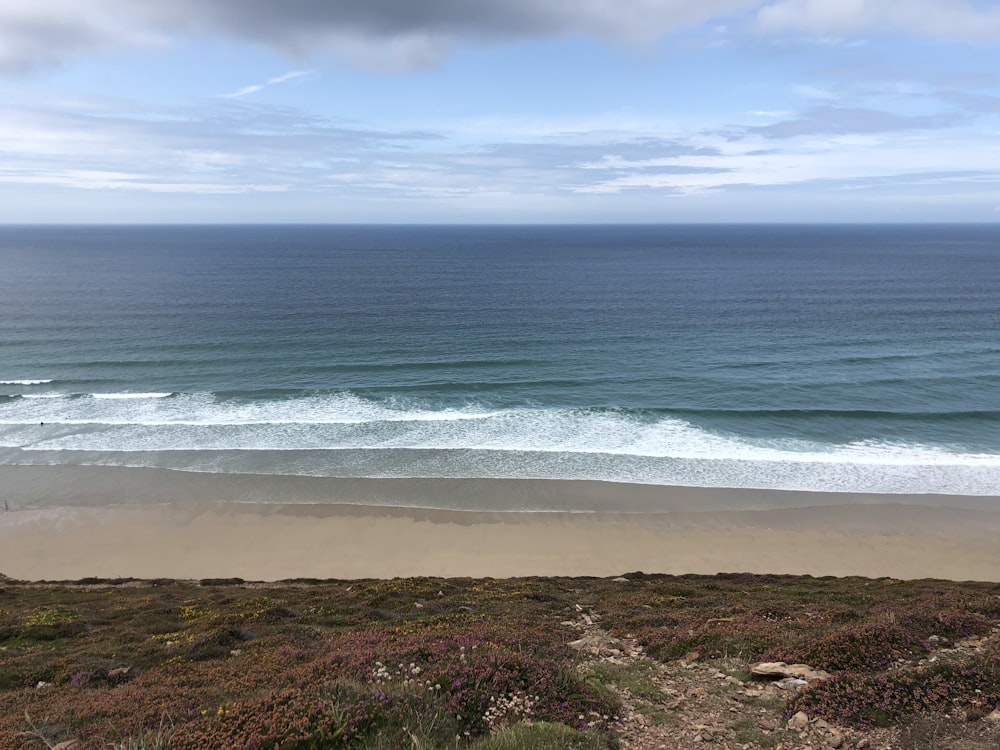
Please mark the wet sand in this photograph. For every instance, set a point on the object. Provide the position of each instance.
(75, 522)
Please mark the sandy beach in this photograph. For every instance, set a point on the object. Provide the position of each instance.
(75, 522)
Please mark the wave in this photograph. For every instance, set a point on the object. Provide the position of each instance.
(25, 382)
(129, 396)
(859, 414)
(157, 421)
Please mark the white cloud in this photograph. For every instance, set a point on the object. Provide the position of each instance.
(813, 92)
(254, 88)
(241, 147)
(939, 19)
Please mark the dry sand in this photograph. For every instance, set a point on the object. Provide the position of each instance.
(75, 522)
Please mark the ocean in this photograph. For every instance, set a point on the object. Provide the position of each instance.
(828, 358)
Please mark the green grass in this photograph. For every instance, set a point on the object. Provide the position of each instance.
(542, 736)
(636, 677)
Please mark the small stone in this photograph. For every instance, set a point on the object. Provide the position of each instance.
(776, 670)
(119, 673)
(620, 579)
(692, 656)
(799, 721)
(994, 716)
(795, 684)
(836, 742)
(67, 745)
(863, 743)
(42, 685)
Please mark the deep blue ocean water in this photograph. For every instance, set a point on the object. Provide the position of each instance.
(852, 358)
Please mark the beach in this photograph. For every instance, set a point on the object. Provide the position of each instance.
(75, 522)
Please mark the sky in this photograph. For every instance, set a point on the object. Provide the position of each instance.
(499, 111)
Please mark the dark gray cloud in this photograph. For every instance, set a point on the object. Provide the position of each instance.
(380, 34)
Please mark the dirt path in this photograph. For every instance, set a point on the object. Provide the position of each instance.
(689, 704)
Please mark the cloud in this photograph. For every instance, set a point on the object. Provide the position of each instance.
(939, 19)
(852, 120)
(400, 35)
(379, 34)
(895, 166)
(232, 147)
(254, 88)
(813, 92)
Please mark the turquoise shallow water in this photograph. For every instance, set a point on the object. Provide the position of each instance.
(861, 358)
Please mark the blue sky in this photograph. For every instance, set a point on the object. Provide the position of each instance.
(503, 111)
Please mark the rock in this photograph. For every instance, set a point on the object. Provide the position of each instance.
(590, 644)
(767, 725)
(692, 656)
(836, 742)
(776, 670)
(799, 721)
(42, 685)
(994, 716)
(863, 743)
(67, 745)
(119, 674)
(620, 579)
(794, 684)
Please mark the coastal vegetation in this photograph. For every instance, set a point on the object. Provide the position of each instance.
(499, 664)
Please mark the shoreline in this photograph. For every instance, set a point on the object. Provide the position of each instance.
(153, 523)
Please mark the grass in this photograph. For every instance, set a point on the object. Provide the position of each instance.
(542, 736)
(747, 732)
(636, 677)
(458, 663)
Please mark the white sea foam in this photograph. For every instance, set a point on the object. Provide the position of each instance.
(364, 436)
(24, 382)
(127, 396)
